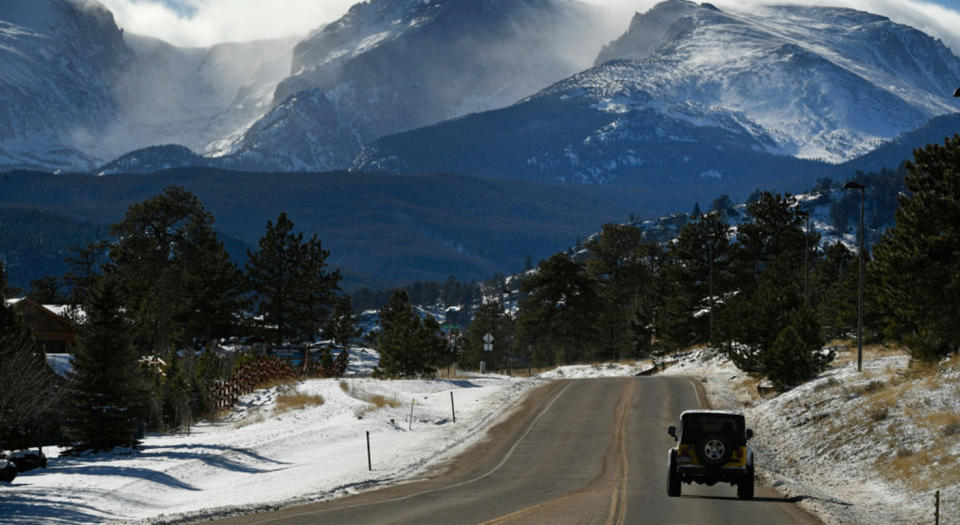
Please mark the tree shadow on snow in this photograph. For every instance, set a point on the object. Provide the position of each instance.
(462, 383)
(162, 451)
(25, 507)
(147, 474)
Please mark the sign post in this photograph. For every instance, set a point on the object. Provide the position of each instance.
(488, 342)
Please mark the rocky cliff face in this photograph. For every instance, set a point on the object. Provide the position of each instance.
(59, 60)
(393, 65)
(75, 91)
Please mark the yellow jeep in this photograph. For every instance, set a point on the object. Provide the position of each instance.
(711, 447)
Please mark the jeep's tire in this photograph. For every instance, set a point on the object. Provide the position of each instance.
(673, 476)
(745, 485)
(714, 450)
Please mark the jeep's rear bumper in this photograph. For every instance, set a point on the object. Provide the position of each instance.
(698, 474)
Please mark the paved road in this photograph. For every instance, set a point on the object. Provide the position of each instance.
(581, 451)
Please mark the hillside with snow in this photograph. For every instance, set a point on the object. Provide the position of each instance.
(852, 447)
(692, 96)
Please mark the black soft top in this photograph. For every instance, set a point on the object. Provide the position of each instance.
(697, 424)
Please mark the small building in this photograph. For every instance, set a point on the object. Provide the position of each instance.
(53, 333)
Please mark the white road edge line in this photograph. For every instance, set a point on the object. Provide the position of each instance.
(438, 489)
(696, 392)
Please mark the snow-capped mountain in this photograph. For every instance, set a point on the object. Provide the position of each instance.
(58, 62)
(825, 83)
(692, 93)
(75, 91)
(393, 65)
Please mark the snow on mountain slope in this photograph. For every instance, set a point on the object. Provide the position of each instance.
(76, 91)
(59, 59)
(391, 65)
(693, 95)
(826, 83)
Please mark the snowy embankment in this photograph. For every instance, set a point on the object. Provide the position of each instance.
(870, 447)
(265, 456)
(598, 370)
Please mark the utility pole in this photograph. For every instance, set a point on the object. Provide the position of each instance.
(852, 185)
(710, 279)
(806, 252)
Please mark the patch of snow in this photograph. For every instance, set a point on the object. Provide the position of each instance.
(264, 457)
(62, 364)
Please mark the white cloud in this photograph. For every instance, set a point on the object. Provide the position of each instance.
(206, 22)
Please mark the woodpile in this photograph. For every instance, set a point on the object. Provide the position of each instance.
(224, 394)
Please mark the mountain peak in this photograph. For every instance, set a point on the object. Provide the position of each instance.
(649, 30)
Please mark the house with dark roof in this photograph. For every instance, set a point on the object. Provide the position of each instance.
(54, 333)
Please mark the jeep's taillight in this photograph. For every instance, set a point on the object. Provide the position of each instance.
(738, 452)
(683, 451)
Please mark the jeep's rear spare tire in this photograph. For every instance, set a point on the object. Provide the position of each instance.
(714, 449)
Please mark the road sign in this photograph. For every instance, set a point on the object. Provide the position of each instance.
(488, 347)
(488, 338)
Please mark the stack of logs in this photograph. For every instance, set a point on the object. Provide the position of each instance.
(225, 393)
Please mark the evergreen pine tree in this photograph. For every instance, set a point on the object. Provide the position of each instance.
(294, 291)
(620, 263)
(559, 316)
(326, 364)
(917, 263)
(794, 356)
(408, 347)
(105, 392)
(833, 289)
(177, 282)
(85, 261)
(342, 362)
(342, 328)
(701, 259)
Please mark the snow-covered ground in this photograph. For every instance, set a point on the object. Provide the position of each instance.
(597, 370)
(869, 447)
(852, 447)
(266, 457)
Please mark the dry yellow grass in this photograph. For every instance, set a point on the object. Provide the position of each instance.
(847, 351)
(297, 401)
(943, 423)
(929, 469)
(376, 401)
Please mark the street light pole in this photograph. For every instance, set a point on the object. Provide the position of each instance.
(852, 185)
(710, 278)
(505, 303)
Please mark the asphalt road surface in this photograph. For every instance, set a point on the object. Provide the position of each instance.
(580, 451)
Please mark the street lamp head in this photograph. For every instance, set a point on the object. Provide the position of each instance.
(957, 93)
(853, 185)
